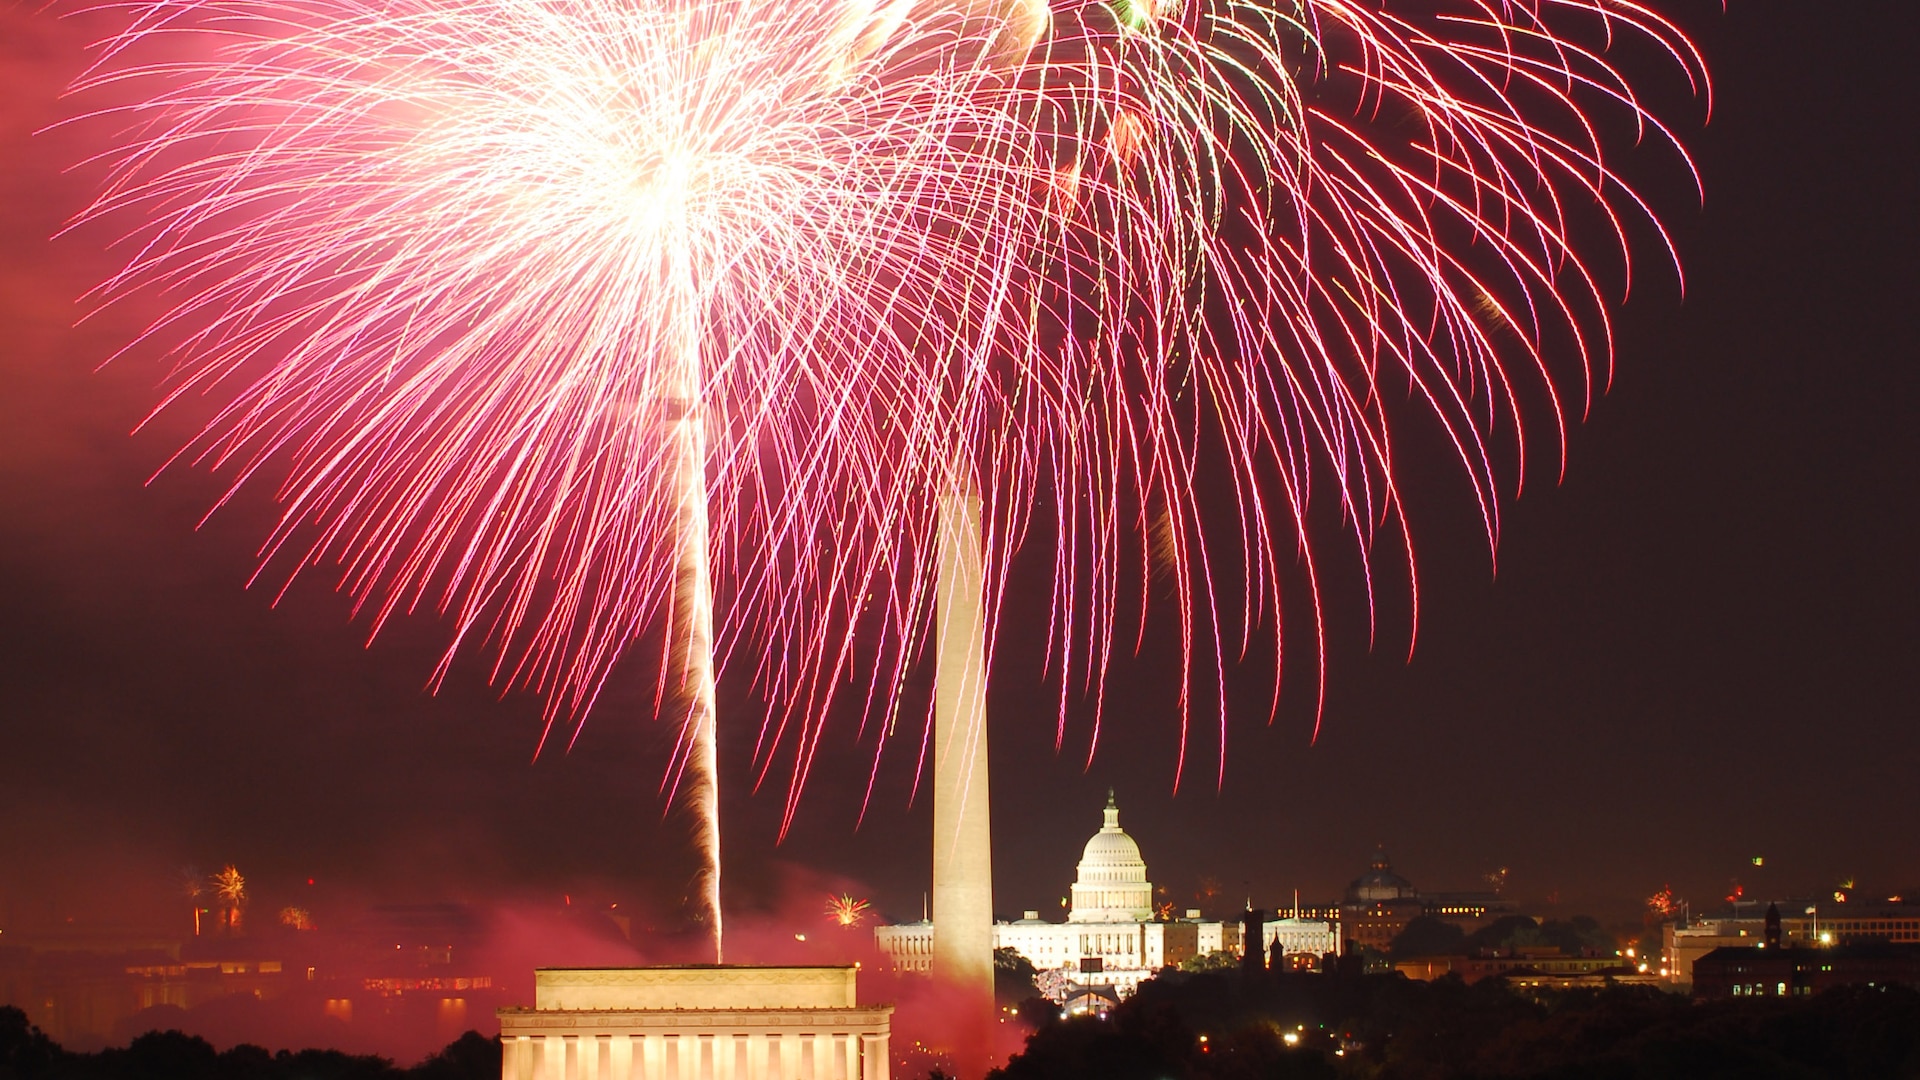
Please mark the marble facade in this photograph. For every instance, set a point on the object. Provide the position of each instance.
(695, 1023)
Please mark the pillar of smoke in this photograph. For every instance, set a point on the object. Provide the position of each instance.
(702, 783)
(694, 591)
(1010, 27)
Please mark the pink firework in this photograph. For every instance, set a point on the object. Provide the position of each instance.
(583, 319)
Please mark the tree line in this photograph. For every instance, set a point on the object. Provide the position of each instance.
(1232, 1025)
(26, 1053)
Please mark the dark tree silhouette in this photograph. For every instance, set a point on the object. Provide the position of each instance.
(1428, 936)
(1233, 1026)
(27, 1054)
(1013, 977)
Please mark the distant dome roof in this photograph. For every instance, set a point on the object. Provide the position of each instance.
(1380, 882)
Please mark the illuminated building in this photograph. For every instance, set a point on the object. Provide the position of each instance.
(1378, 906)
(1854, 923)
(396, 976)
(1110, 884)
(1775, 969)
(1380, 903)
(1736, 972)
(1111, 937)
(1526, 967)
(1821, 923)
(695, 1023)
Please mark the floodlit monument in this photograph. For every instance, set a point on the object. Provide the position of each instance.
(962, 954)
(707, 1022)
(1113, 937)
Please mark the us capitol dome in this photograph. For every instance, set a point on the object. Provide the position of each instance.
(1111, 885)
(1113, 938)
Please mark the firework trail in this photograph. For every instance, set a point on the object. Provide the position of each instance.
(599, 322)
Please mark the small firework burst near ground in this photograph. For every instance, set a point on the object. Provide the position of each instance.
(847, 912)
(590, 323)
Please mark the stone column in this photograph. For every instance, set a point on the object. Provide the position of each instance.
(655, 1055)
(620, 1058)
(654, 1050)
(822, 1064)
(873, 1056)
(516, 1063)
(757, 1056)
(570, 1057)
(962, 839)
(546, 1057)
(789, 1056)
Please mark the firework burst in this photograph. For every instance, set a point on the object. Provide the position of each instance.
(596, 322)
(229, 890)
(847, 912)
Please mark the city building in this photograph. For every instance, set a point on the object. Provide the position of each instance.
(1756, 971)
(1380, 903)
(1852, 921)
(1684, 945)
(708, 1022)
(1775, 968)
(395, 976)
(1803, 923)
(1112, 937)
(1526, 967)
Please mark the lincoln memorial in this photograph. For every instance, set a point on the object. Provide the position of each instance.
(695, 1023)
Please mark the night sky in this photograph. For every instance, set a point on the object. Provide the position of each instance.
(1698, 649)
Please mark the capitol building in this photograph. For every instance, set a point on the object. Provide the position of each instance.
(1112, 937)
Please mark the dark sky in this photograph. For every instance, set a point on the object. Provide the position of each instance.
(1698, 649)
